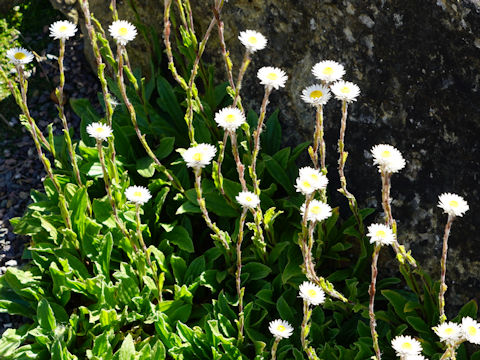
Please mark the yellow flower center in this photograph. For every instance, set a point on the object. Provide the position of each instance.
(281, 328)
(252, 40)
(315, 94)
(19, 56)
(472, 330)
(386, 153)
(316, 209)
(99, 130)
(63, 28)
(122, 31)
(306, 184)
(249, 198)
(381, 233)
(345, 90)
(328, 70)
(272, 76)
(314, 177)
(230, 118)
(449, 331)
(197, 156)
(453, 203)
(312, 292)
(137, 194)
(407, 346)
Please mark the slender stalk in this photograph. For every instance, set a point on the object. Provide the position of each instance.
(352, 202)
(133, 118)
(319, 141)
(221, 156)
(108, 189)
(225, 54)
(113, 8)
(181, 10)
(274, 348)
(307, 313)
(443, 264)
(238, 273)
(243, 69)
(256, 142)
(203, 208)
(238, 162)
(371, 292)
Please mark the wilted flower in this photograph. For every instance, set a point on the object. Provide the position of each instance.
(316, 95)
(252, 40)
(248, 199)
(99, 131)
(328, 70)
(138, 194)
(19, 56)
(62, 30)
(388, 158)
(380, 234)
(122, 31)
(272, 77)
(230, 118)
(345, 90)
(199, 156)
(312, 293)
(452, 204)
(281, 329)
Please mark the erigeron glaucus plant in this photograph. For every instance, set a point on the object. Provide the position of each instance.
(122, 263)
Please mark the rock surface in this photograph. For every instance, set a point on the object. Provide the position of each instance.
(417, 64)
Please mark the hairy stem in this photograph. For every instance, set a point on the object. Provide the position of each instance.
(274, 348)
(371, 292)
(443, 265)
(238, 273)
(241, 73)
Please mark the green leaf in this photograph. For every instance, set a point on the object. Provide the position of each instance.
(276, 172)
(127, 350)
(146, 167)
(45, 316)
(272, 137)
(88, 115)
(398, 301)
(179, 236)
(78, 205)
(256, 270)
(418, 324)
(165, 147)
(285, 310)
(469, 309)
(179, 268)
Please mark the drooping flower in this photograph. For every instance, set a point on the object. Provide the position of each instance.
(317, 180)
(230, 118)
(281, 329)
(122, 31)
(199, 156)
(272, 77)
(62, 30)
(448, 332)
(316, 95)
(99, 131)
(252, 40)
(312, 293)
(452, 204)
(19, 56)
(138, 194)
(317, 211)
(248, 199)
(471, 330)
(345, 91)
(328, 71)
(388, 158)
(406, 346)
(380, 234)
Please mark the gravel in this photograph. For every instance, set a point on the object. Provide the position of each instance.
(20, 169)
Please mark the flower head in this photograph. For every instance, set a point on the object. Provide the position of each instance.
(415, 357)
(388, 158)
(122, 31)
(230, 118)
(248, 199)
(316, 95)
(448, 332)
(281, 329)
(452, 204)
(328, 70)
(272, 77)
(316, 179)
(199, 156)
(19, 56)
(312, 293)
(138, 194)
(380, 234)
(471, 330)
(62, 30)
(317, 211)
(252, 40)
(99, 131)
(345, 91)
(406, 346)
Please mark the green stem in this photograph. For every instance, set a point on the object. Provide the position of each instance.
(243, 69)
(443, 265)
(238, 273)
(274, 348)
(371, 292)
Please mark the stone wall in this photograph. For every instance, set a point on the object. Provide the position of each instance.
(417, 64)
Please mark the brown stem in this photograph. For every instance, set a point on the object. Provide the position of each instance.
(238, 162)
(443, 265)
(240, 290)
(274, 348)
(241, 73)
(371, 292)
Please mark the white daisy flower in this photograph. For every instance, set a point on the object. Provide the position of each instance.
(199, 156)
(316, 95)
(138, 194)
(345, 91)
(387, 158)
(19, 56)
(305, 186)
(252, 40)
(380, 234)
(281, 329)
(317, 211)
(328, 70)
(122, 31)
(230, 118)
(471, 330)
(272, 77)
(99, 131)
(312, 293)
(248, 199)
(315, 178)
(406, 346)
(452, 204)
(415, 357)
(448, 332)
(62, 30)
